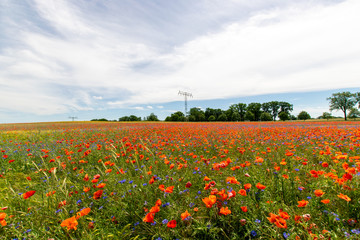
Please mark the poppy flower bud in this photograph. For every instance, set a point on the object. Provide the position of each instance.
(306, 217)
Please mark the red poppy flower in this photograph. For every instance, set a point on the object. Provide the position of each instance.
(345, 197)
(149, 218)
(247, 186)
(28, 194)
(225, 211)
(209, 201)
(185, 215)
(98, 194)
(260, 186)
(242, 192)
(169, 189)
(171, 224)
(70, 223)
(302, 203)
(244, 209)
(318, 192)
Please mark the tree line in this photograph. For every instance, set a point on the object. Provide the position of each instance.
(268, 111)
(238, 112)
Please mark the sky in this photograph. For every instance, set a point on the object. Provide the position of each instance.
(108, 58)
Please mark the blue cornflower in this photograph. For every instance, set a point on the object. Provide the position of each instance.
(253, 233)
(286, 235)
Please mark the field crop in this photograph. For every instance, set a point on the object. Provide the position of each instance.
(295, 180)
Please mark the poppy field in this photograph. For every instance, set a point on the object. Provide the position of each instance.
(82, 180)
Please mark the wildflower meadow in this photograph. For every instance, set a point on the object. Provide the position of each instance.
(111, 180)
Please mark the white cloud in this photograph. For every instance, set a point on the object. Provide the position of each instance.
(297, 47)
(149, 107)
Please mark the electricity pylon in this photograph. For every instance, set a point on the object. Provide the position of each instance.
(186, 94)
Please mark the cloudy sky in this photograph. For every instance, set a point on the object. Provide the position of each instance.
(110, 58)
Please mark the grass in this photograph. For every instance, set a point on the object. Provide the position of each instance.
(67, 164)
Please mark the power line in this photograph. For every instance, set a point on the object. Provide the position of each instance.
(73, 118)
(186, 95)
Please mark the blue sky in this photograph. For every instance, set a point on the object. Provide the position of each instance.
(95, 58)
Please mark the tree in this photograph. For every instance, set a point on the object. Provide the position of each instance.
(222, 117)
(255, 109)
(354, 113)
(134, 118)
(129, 118)
(274, 107)
(266, 107)
(124, 119)
(303, 115)
(192, 118)
(285, 107)
(211, 118)
(176, 117)
(197, 114)
(215, 112)
(326, 115)
(284, 116)
(265, 116)
(242, 110)
(100, 120)
(357, 98)
(229, 114)
(152, 117)
(239, 108)
(236, 117)
(249, 116)
(343, 101)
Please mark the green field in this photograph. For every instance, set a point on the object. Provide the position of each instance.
(111, 180)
